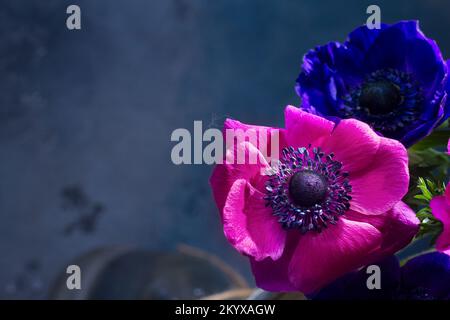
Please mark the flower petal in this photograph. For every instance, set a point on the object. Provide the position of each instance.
(224, 175)
(327, 73)
(447, 189)
(303, 128)
(384, 182)
(441, 210)
(429, 271)
(424, 60)
(273, 275)
(390, 47)
(353, 286)
(321, 258)
(422, 130)
(250, 226)
(362, 37)
(264, 135)
(398, 226)
(354, 143)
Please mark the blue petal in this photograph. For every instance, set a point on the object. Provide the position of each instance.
(362, 38)
(424, 61)
(419, 131)
(430, 271)
(326, 74)
(446, 105)
(389, 48)
(353, 286)
(404, 47)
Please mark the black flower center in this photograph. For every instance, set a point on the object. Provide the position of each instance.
(389, 100)
(380, 97)
(307, 188)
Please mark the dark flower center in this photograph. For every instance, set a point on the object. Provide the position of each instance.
(388, 100)
(380, 97)
(308, 191)
(307, 188)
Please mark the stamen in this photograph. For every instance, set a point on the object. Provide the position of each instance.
(308, 192)
(389, 100)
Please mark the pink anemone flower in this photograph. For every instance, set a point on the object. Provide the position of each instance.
(332, 205)
(440, 207)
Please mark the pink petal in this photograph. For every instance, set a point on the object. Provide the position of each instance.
(321, 258)
(249, 225)
(354, 143)
(396, 229)
(273, 275)
(224, 175)
(398, 226)
(384, 181)
(441, 210)
(303, 128)
(235, 124)
(266, 147)
(447, 194)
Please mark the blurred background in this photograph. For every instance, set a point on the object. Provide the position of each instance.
(85, 124)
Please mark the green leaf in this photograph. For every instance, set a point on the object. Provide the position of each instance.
(438, 138)
(420, 197)
(429, 225)
(423, 211)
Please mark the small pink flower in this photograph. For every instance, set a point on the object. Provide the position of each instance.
(332, 207)
(440, 207)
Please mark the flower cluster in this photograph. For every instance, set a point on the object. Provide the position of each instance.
(333, 202)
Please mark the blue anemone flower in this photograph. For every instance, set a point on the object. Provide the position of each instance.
(425, 277)
(393, 78)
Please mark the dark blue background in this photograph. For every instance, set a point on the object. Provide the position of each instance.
(91, 112)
